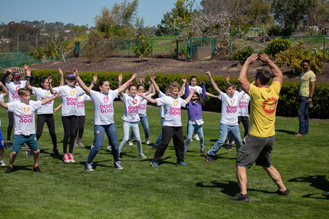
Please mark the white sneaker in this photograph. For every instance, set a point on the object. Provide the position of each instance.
(2, 163)
(91, 147)
(142, 155)
(148, 142)
(196, 137)
(118, 165)
(130, 143)
(89, 166)
(109, 147)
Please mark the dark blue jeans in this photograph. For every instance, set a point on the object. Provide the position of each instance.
(303, 115)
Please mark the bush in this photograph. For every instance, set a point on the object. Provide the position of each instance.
(274, 30)
(277, 45)
(143, 49)
(287, 31)
(97, 48)
(243, 54)
(296, 54)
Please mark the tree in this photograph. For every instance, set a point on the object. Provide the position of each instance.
(289, 13)
(143, 49)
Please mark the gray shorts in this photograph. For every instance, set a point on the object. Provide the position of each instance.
(255, 149)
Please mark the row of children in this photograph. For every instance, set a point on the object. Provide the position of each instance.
(134, 111)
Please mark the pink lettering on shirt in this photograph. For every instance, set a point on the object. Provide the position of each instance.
(231, 109)
(15, 95)
(24, 118)
(174, 111)
(243, 104)
(132, 109)
(71, 101)
(106, 108)
(81, 104)
(142, 106)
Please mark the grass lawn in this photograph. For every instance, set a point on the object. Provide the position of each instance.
(200, 190)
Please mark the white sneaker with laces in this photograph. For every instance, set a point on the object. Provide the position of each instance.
(142, 155)
(148, 142)
(109, 147)
(130, 143)
(2, 163)
(196, 137)
(89, 166)
(118, 165)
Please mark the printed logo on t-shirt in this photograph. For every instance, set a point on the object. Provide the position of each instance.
(71, 101)
(81, 104)
(106, 99)
(106, 108)
(72, 93)
(134, 101)
(269, 105)
(174, 111)
(79, 98)
(26, 109)
(142, 106)
(132, 109)
(176, 102)
(244, 97)
(306, 76)
(232, 101)
(26, 118)
(231, 109)
(18, 87)
(243, 104)
(15, 95)
(47, 93)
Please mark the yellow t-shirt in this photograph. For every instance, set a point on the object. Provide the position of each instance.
(305, 79)
(263, 108)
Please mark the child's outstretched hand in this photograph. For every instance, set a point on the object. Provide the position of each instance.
(208, 73)
(184, 79)
(191, 90)
(152, 77)
(50, 79)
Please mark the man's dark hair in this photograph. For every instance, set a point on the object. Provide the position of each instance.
(263, 75)
(307, 61)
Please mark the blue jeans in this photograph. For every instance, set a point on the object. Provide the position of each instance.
(158, 141)
(303, 115)
(197, 129)
(135, 128)
(223, 130)
(111, 132)
(145, 124)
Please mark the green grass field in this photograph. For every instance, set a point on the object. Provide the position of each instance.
(200, 190)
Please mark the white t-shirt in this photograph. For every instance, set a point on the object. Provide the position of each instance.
(12, 88)
(24, 116)
(69, 97)
(103, 105)
(243, 105)
(2, 100)
(162, 107)
(143, 106)
(172, 110)
(230, 108)
(131, 105)
(42, 94)
(81, 104)
(196, 88)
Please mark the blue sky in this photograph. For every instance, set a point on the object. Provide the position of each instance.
(80, 12)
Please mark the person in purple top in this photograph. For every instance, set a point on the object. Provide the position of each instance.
(194, 110)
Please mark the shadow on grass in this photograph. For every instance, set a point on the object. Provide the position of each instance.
(286, 131)
(230, 188)
(42, 151)
(318, 182)
(26, 167)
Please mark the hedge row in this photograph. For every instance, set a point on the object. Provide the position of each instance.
(286, 105)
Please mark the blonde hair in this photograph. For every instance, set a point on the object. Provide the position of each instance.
(174, 85)
(23, 91)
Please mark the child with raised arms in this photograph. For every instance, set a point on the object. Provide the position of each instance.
(2, 145)
(229, 117)
(103, 120)
(172, 125)
(24, 131)
(130, 117)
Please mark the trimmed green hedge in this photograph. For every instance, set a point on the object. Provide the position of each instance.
(286, 106)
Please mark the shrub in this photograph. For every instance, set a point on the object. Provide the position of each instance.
(277, 45)
(97, 48)
(287, 31)
(296, 54)
(243, 54)
(274, 30)
(143, 49)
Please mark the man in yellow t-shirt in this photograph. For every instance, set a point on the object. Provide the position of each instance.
(305, 95)
(261, 138)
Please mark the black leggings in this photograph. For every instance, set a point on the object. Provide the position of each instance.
(10, 125)
(49, 119)
(81, 125)
(70, 128)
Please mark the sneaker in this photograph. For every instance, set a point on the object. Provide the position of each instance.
(142, 155)
(37, 169)
(76, 143)
(118, 165)
(88, 166)
(203, 151)
(80, 142)
(286, 192)
(71, 158)
(229, 147)
(209, 158)
(130, 143)
(2, 163)
(91, 147)
(66, 158)
(55, 151)
(240, 197)
(9, 145)
(29, 153)
(154, 164)
(109, 147)
(148, 142)
(185, 152)
(9, 169)
(23, 146)
(154, 147)
(196, 137)
(182, 163)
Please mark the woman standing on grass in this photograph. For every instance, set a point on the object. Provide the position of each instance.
(69, 94)
(103, 121)
(45, 112)
(2, 145)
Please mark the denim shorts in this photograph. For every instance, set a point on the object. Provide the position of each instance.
(256, 149)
